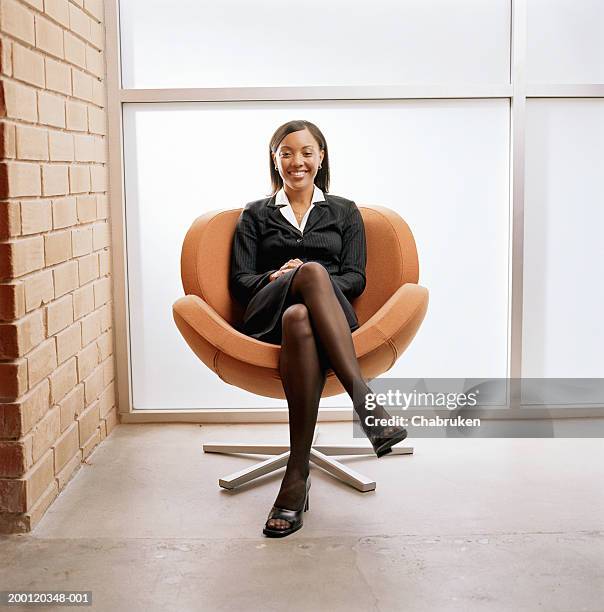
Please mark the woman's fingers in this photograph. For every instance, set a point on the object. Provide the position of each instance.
(286, 267)
(292, 263)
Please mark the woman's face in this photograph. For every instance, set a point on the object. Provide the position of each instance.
(297, 159)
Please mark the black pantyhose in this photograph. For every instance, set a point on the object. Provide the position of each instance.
(315, 336)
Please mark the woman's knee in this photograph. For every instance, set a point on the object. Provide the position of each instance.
(311, 273)
(296, 321)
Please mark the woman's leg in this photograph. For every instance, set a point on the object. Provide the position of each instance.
(303, 375)
(313, 287)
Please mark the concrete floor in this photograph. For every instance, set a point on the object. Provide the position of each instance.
(463, 524)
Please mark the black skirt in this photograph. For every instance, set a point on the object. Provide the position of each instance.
(262, 317)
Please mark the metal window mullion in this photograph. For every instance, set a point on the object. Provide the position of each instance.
(121, 328)
(517, 176)
(321, 92)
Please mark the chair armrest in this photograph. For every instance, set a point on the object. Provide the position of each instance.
(208, 324)
(399, 317)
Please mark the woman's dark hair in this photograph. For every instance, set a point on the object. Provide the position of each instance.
(322, 178)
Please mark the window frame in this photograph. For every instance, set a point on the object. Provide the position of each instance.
(516, 91)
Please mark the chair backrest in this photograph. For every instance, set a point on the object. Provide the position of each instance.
(206, 252)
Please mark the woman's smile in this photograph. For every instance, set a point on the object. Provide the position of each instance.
(297, 159)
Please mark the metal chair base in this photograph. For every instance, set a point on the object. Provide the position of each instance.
(320, 455)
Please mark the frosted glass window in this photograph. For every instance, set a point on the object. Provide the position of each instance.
(565, 42)
(563, 333)
(237, 43)
(442, 165)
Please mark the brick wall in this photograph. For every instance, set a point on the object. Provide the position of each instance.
(57, 391)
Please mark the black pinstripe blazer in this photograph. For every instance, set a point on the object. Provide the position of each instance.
(264, 240)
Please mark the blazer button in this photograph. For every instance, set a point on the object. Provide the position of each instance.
(299, 240)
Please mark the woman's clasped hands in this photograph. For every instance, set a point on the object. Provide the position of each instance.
(292, 264)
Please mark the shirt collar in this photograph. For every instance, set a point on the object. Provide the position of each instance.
(281, 199)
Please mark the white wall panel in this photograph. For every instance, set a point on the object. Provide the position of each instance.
(237, 43)
(563, 333)
(565, 42)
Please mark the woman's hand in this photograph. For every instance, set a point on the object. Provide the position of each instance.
(292, 264)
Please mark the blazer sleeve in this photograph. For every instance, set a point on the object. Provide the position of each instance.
(244, 279)
(351, 279)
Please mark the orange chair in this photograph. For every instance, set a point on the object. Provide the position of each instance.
(390, 311)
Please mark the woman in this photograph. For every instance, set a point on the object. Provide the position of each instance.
(298, 259)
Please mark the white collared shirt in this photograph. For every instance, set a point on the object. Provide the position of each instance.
(288, 212)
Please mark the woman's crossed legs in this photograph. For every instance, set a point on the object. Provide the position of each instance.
(315, 336)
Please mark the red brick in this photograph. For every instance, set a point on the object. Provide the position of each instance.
(20, 179)
(60, 146)
(18, 257)
(65, 277)
(20, 101)
(64, 212)
(12, 300)
(93, 386)
(59, 314)
(42, 361)
(51, 109)
(58, 76)
(69, 342)
(17, 21)
(58, 10)
(13, 379)
(63, 380)
(87, 207)
(10, 219)
(15, 457)
(19, 337)
(32, 142)
(20, 494)
(39, 289)
(36, 216)
(88, 422)
(17, 418)
(8, 140)
(75, 50)
(71, 406)
(49, 36)
(28, 65)
(79, 22)
(46, 432)
(66, 446)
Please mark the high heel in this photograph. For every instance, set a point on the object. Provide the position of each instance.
(294, 517)
(382, 444)
(383, 437)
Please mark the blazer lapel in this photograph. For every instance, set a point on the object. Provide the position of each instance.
(316, 214)
(276, 215)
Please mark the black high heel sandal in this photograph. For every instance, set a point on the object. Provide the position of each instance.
(382, 443)
(295, 517)
(383, 437)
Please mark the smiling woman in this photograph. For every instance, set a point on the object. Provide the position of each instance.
(299, 223)
(298, 163)
(298, 258)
